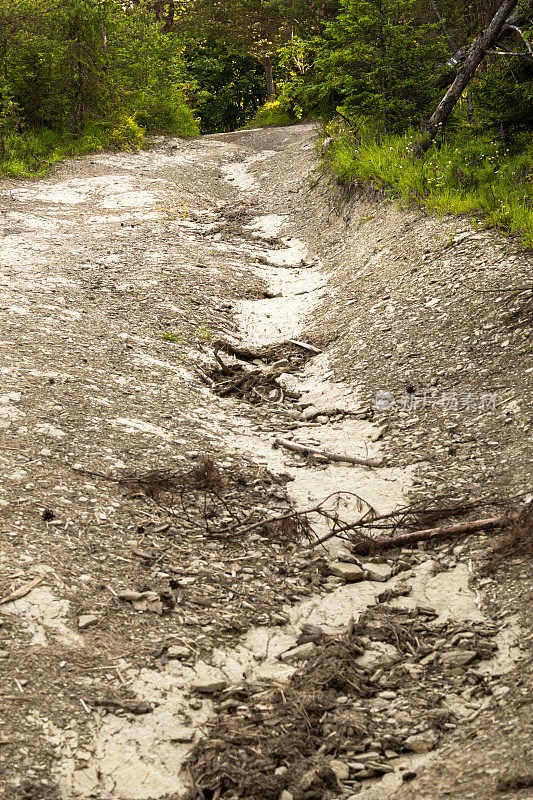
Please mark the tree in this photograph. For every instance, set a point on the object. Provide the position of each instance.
(376, 59)
(227, 85)
(465, 74)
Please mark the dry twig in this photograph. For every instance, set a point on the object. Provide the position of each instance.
(317, 451)
(23, 591)
(406, 539)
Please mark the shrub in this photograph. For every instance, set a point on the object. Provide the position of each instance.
(166, 114)
(272, 114)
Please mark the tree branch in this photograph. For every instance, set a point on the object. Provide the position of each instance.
(524, 38)
(389, 542)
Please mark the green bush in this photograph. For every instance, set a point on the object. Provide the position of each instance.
(31, 153)
(119, 132)
(272, 114)
(166, 114)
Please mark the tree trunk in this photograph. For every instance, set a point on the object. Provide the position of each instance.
(169, 21)
(464, 76)
(269, 77)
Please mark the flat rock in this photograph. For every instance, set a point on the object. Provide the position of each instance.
(180, 733)
(341, 770)
(458, 658)
(378, 572)
(129, 595)
(300, 653)
(422, 742)
(177, 651)
(350, 572)
(209, 679)
(374, 659)
(86, 620)
(309, 413)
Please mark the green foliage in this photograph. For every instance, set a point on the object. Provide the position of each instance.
(227, 86)
(33, 153)
(118, 132)
(166, 113)
(83, 69)
(505, 96)
(466, 175)
(271, 114)
(375, 59)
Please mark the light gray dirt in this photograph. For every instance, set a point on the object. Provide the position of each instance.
(117, 275)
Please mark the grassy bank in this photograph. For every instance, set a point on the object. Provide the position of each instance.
(483, 176)
(30, 153)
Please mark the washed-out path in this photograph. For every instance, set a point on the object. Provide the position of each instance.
(115, 275)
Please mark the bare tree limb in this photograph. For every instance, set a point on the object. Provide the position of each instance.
(23, 591)
(316, 451)
(508, 53)
(442, 23)
(526, 41)
(403, 539)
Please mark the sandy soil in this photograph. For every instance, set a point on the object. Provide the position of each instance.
(146, 618)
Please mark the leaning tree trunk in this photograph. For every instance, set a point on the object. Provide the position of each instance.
(464, 76)
(269, 77)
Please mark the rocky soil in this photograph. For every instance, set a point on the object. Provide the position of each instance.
(188, 335)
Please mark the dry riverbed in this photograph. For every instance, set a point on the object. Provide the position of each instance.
(159, 636)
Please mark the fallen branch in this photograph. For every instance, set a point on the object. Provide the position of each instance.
(405, 539)
(317, 451)
(23, 591)
(133, 706)
(305, 346)
(205, 378)
(269, 352)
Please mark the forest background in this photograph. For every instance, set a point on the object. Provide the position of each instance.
(83, 75)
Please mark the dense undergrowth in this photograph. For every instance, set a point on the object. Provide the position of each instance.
(272, 114)
(480, 175)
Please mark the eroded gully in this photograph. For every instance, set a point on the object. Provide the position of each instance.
(140, 758)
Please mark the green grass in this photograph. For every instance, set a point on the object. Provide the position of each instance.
(480, 176)
(32, 153)
(272, 114)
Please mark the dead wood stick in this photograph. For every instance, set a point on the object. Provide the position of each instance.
(97, 474)
(23, 591)
(244, 353)
(205, 378)
(317, 451)
(403, 539)
(305, 346)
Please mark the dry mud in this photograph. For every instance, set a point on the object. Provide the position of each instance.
(117, 274)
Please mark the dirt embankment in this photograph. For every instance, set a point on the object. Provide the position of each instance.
(187, 333)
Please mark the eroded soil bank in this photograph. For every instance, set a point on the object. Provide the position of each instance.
(153, 623)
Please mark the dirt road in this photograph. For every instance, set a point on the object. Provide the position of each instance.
(137, 607)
